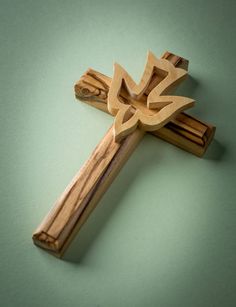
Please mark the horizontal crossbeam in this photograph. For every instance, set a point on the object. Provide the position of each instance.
(184, 131)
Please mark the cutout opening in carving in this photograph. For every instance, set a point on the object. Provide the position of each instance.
(139, 102)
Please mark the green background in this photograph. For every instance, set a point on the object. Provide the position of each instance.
(164, 233)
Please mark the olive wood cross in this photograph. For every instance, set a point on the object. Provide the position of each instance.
(148, 106)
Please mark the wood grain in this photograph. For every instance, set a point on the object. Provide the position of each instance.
(83, 193)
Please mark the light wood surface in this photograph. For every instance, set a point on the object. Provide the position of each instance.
(148, 111)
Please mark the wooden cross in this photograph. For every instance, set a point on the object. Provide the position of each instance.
(148, 106)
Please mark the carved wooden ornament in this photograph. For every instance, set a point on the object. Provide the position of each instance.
(148, 106)
(149, 112)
